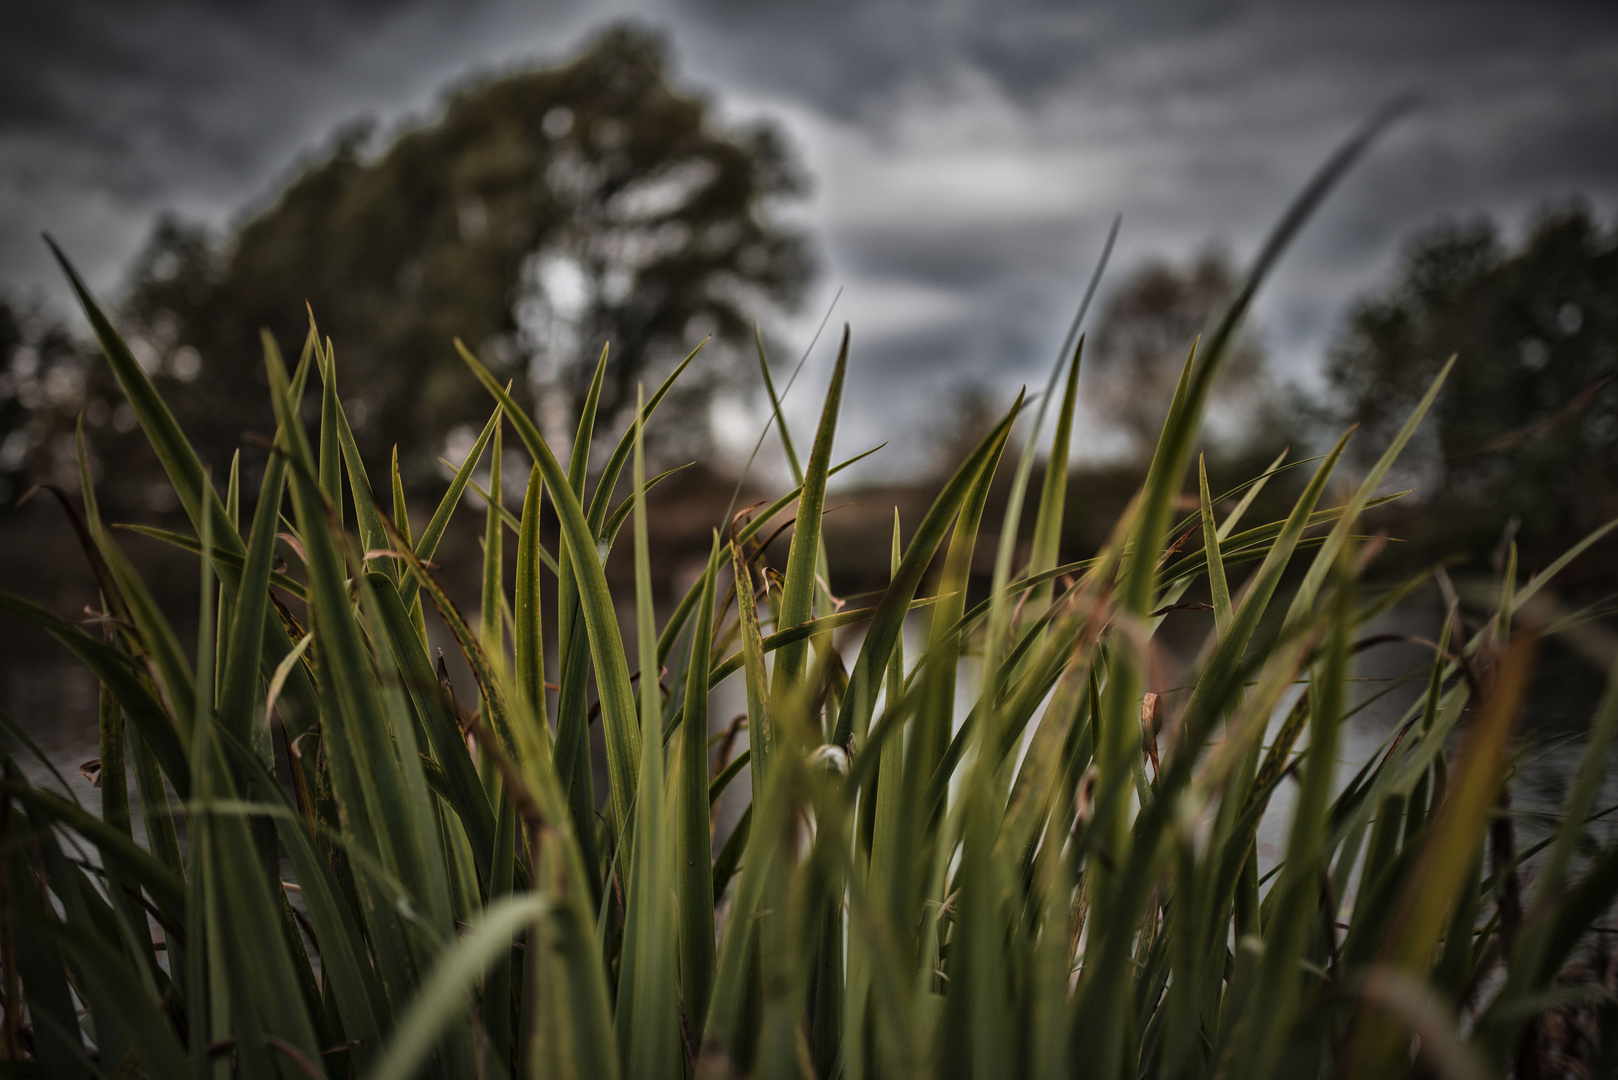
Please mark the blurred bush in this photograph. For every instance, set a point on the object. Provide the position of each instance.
(1528, 430)
(544, 212)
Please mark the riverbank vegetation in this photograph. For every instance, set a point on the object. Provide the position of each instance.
(1004, 845)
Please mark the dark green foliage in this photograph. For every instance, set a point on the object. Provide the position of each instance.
(600, 170)
(1529, 428)
(1058, 879)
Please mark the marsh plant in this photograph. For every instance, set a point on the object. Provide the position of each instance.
(332, 864)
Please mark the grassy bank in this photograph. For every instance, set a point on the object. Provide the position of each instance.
(346, 869)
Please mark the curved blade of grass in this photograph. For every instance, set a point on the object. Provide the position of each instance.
(184, 469)
(165, 887)
(1327, 555)
(443, 995)
(288, 585)
(330, 453)
(606, 645)
(1431, 889)
(1217, 586)
(760, 718)
(798, 589)
(775, 409)
(572, 717)
(58, 1043)
(491, 634)
(126, 1005)
(626, 443)
(1053, 496)
(114, 669)
(880, 640)
(245, 635)
(434, 532)
(186, 474)
(470, 801)
(682, 611)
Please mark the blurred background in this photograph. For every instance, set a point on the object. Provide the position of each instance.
(540, 180)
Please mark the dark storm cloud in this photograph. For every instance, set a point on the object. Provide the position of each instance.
(111, 112)
(108, 70)
(967, 156)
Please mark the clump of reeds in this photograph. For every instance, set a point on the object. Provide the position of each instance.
(1060, 882)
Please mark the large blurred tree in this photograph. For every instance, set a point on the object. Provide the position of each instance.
(1527, 425)
(1139, 347)
(544, 212)
(45, 383)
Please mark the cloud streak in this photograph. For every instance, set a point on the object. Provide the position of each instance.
(968, 156)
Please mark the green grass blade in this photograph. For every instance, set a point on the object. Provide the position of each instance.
(1327, 554)
(1053, 495)
(880, 640)
(245, 634)
(645, 1018)
(401, 509)
(1281, 987)
(128, 1009)
(621, 453)
(331, 450)
(695, 849)
(528, 632)
(491, 627)
(443, 995)
(573, 762)
(434, 532)
(775, 407)
(1217, 586)
(1430, 890)
(368, 516)
(469, 800)
(58, 1043)
(162, 884)
(153, 724)
(291, 586)
(606, 644)
(185, 471)
(760, 717)
(798, 589)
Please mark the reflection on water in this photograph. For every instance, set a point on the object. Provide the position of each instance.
(54, 701)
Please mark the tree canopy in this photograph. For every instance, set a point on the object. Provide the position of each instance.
(1141, 339)
(1527, 426)
(542, 214)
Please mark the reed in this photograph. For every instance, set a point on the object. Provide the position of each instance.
(1060, 882)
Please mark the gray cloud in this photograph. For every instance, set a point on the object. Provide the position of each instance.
(967, 156)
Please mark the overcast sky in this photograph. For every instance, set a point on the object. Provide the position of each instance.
(967, 156)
